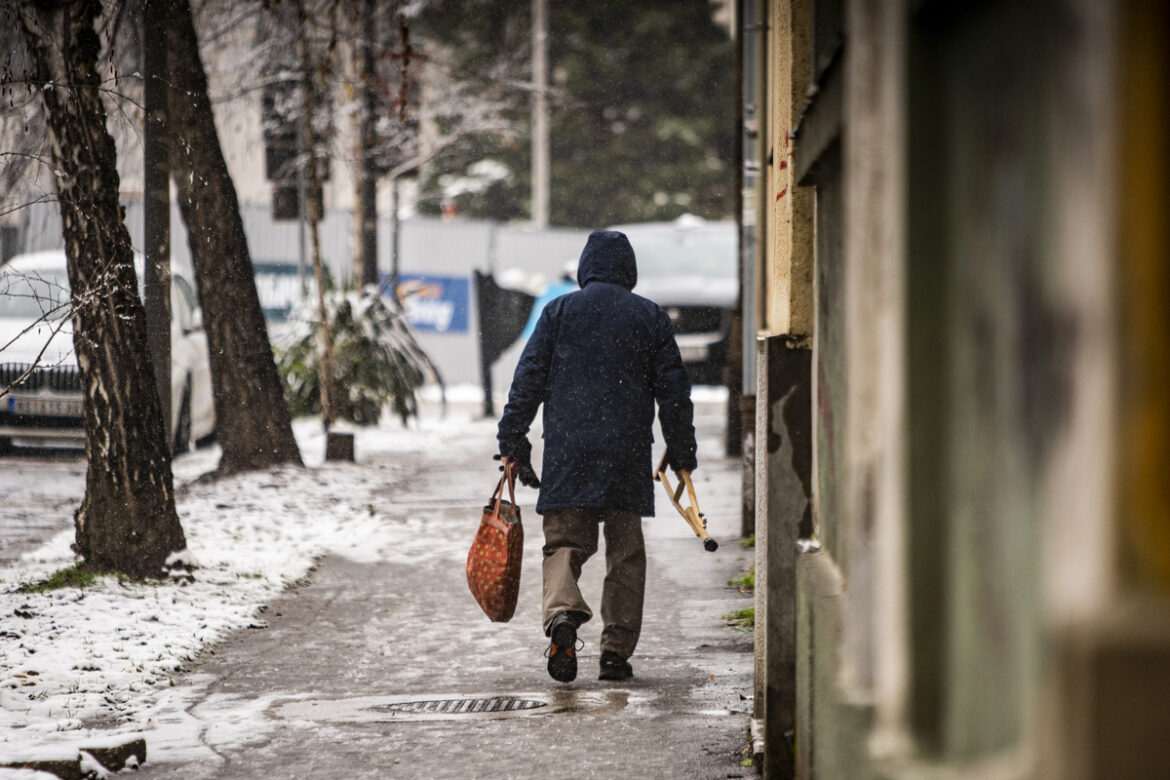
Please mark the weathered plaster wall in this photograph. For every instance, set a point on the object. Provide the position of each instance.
(874, 151)
(783, 436)
(990, 597)
(790, 260)
(829, 378)
(783, 501)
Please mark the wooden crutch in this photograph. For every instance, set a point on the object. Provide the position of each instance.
(691, 513)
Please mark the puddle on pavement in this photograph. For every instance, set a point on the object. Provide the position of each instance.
(592, 702)
(424, 707)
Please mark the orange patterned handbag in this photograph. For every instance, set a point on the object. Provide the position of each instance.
(493, 563)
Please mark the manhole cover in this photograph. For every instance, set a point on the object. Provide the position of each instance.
(460, 706)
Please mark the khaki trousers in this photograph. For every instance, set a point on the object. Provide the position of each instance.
(570, 539)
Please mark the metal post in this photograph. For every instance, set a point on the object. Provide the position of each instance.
(395, 227)
(540, 162)
(156, 204)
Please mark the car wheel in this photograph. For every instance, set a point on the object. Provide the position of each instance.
(183, 426)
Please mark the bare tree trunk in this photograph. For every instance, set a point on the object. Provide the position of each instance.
(127, 520)
(252, 419)
(156, 201)
(315, 210)
(367, 171)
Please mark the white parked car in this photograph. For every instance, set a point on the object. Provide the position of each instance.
(690, 267)
(45, 409)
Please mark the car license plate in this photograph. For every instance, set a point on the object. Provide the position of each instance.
(693, 354)
(45, 407)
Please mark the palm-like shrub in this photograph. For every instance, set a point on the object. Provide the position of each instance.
(376, 360)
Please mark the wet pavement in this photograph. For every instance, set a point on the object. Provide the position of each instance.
(41, 489)
(387, 668)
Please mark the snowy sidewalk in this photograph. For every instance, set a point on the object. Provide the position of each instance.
(326, 679)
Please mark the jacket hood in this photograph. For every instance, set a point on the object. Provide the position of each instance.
(607, 257)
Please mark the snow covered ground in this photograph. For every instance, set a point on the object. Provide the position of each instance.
(108, 654)
(105, 659)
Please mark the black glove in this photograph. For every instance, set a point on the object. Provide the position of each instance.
(524, 472)
(527, 476)
(685, 462)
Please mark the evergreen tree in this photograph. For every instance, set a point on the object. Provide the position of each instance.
(642, 99)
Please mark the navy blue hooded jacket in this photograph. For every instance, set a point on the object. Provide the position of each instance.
(598, 360)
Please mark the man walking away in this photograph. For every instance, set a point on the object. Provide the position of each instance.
(598, 360)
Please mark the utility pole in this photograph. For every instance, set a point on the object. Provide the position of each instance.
(540, 165)
(156, 203)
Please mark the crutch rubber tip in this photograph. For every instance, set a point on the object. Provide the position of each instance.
(710, 545)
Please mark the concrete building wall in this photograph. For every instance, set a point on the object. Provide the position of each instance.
(873, 161)
(230, 55)
(987, 589)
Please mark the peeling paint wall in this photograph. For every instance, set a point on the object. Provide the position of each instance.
(783, 508)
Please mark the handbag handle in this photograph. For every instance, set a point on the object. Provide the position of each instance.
(508, 476)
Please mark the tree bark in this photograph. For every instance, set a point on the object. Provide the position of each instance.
(252, 419)
(156, 201)
(127, 520)
(315, 210)
(367, 171)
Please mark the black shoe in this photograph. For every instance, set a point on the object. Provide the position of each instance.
(614, 667)
(562, 650)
